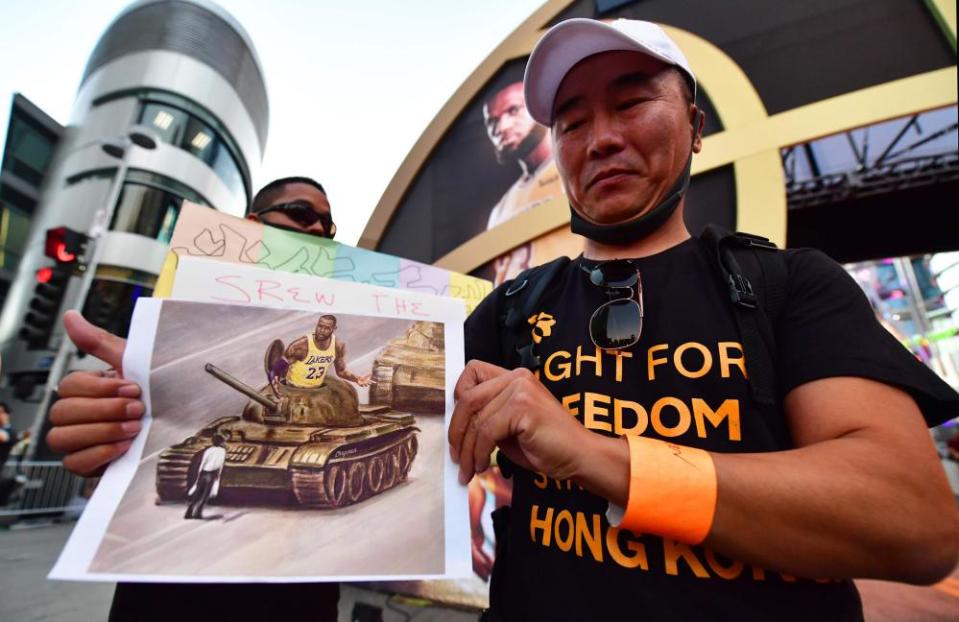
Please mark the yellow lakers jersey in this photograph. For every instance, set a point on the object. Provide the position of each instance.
(311, 371)
(526, 193)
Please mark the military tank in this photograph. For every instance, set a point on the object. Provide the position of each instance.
(314, 447)
(410, 372)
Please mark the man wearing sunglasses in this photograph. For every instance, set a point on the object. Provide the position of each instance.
(647, 481)
(295, 204)
(97, 416)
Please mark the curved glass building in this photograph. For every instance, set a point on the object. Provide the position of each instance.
(172, 106)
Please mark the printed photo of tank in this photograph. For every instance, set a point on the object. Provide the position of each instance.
(314, 444)
(303, 438)
(410, 373)
(276, 436)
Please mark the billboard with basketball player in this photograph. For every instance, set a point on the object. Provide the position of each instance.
(495, 164)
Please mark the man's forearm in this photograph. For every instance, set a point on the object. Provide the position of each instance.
(835, 509)
(838, 508)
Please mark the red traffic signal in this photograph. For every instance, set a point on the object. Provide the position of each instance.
(44, 275)
(64, 245)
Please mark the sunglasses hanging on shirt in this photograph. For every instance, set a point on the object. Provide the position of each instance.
(618, 323)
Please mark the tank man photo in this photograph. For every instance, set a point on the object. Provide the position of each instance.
(303, 438)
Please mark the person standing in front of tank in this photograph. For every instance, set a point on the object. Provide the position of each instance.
(207, 482)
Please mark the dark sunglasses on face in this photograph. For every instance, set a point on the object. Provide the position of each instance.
(617, 324)
(303, 214)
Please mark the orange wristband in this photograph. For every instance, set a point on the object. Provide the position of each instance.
(672, 490)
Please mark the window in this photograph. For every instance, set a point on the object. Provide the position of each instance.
(148, 205)
(147, 211)
(14, 229)
(190, 133)
(29, 150)
(168, 122)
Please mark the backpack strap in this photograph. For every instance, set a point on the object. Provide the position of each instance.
(758, 295)
(520, 301)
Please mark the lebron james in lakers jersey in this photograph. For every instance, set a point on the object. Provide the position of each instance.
(311, 356)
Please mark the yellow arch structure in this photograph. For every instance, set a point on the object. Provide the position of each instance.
(751, 139)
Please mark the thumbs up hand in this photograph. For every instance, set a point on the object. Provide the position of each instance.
(97, 414)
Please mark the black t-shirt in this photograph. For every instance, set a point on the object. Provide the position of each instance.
(185, 602)
(683, 382)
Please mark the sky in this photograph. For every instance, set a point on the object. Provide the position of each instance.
(352, 84)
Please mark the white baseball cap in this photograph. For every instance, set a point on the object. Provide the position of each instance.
(572, 40)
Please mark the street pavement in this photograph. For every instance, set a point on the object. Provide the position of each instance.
(26, 555)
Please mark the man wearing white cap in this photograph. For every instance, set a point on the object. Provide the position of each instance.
(649, 483)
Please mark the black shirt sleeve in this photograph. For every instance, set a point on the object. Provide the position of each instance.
(482, 329)
(829, 329)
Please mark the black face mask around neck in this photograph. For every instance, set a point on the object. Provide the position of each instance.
(620, 234)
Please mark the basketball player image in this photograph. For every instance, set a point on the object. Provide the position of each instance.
(307, 360)
(518, 140)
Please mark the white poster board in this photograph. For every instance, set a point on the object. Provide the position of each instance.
(415, 528)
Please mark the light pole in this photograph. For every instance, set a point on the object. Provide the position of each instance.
(136, 136)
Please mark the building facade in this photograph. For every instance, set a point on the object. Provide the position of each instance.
(32, 136)
(172, 106)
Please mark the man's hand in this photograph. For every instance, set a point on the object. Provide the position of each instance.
(482, 563)
(363, 381)
(512, 410)
(277, 373)
(97, 414)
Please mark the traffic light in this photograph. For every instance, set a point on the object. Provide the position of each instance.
(64, 245)
(45, 306)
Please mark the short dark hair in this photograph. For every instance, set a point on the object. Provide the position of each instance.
(498, 88)
(265, 196)
(328, 317)
(4, 406)
(218, 440)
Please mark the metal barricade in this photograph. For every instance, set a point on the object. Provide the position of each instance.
(38, 488)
